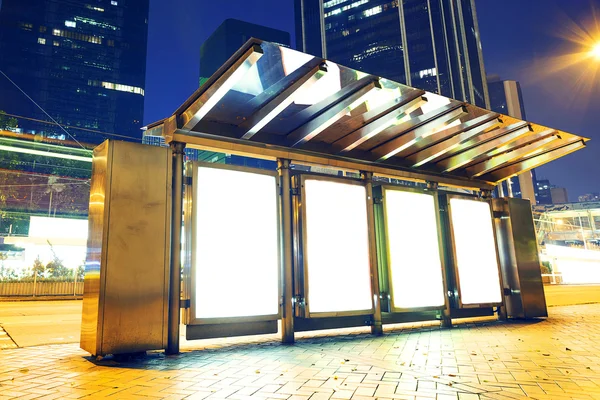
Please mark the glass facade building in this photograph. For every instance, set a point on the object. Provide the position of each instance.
(428, 44)
(82, 62)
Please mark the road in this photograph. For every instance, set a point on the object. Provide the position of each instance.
(33, 323)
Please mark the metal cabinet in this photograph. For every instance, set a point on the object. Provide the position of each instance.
(126, 288)
(519, 259)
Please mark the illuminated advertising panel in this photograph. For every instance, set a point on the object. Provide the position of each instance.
(475, 247)
(337, 247)
(236, 257)
(414, 262)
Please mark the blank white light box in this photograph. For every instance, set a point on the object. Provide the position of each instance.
(236, 246)
(337, 247)
(475, 248)
(414, 262)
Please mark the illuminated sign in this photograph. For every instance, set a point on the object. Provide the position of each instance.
(475, 247)
(236, 264)
(414, 262)
(337, 247)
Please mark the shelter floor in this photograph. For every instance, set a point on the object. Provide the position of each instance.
(557, 358)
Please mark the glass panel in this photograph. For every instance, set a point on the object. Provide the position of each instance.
(415, 260)
(475, 248)
(337, 247)
(237, 259)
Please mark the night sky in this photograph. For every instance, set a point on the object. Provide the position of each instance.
(525, 40)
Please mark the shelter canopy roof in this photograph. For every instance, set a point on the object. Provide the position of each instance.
(271, 100)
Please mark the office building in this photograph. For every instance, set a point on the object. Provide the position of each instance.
(506, 98)
(228, 38)
(559, 195)
(428, 44)
(83, 63)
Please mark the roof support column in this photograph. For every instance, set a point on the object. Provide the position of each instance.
(377, 327)
(287, 322)
(175, 267)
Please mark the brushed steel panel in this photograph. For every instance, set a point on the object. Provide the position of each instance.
(520, 264)
(136, 290)
(91, 318)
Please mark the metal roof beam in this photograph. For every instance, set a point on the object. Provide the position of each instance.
(279, 96)
(437, 151)
(480, 150)
(511, 156)
(428, 123)
(332, 109)
(532, 162)
(406, 104)
(445, 134)
(219, 88)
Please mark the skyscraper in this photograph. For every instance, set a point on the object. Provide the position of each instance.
(83, 63)
(429, 44)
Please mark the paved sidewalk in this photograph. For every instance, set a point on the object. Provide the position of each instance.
(554, 359)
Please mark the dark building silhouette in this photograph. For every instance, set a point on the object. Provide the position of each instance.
(228, 38)
(428, 44)
(84, 63)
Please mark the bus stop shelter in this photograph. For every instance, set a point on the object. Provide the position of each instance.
(379, 211)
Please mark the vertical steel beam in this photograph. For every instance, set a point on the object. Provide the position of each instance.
(287, 322)
(175, 273)
(377, 327)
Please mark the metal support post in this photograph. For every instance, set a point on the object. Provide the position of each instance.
(176, 223)
(377, 327)
(287, 323)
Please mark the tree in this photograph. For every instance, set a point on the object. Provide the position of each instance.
(55, 268)
(6, 122)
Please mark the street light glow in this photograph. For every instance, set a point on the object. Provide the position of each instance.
(596, 51)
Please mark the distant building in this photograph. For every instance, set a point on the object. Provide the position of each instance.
(228, 38)
(428, 44)
(506, 98)
(589, 197)
(559, 195)
(544, 195)
(84, 63)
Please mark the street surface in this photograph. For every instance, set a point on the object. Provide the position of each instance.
(33, 323)
(553, 359)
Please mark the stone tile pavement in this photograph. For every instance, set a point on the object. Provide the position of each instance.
(558, 358)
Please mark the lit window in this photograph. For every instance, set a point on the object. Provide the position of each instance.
(372, 11)
(56, 32)
(56, 43)
(114, 3)
(71, 24)
(346, 8)
(427, 72)
(41, 41)
(122, 88)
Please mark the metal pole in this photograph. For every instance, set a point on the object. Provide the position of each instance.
(500, 190)
(377, 327)
(176, 223)
(287, 323)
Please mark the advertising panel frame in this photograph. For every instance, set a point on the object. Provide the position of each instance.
(440, 238)
(451, 240)
(301, 243)
(253, 321)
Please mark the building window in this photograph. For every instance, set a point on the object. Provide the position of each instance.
(114, 3)
(70, 24)
(41, 40)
